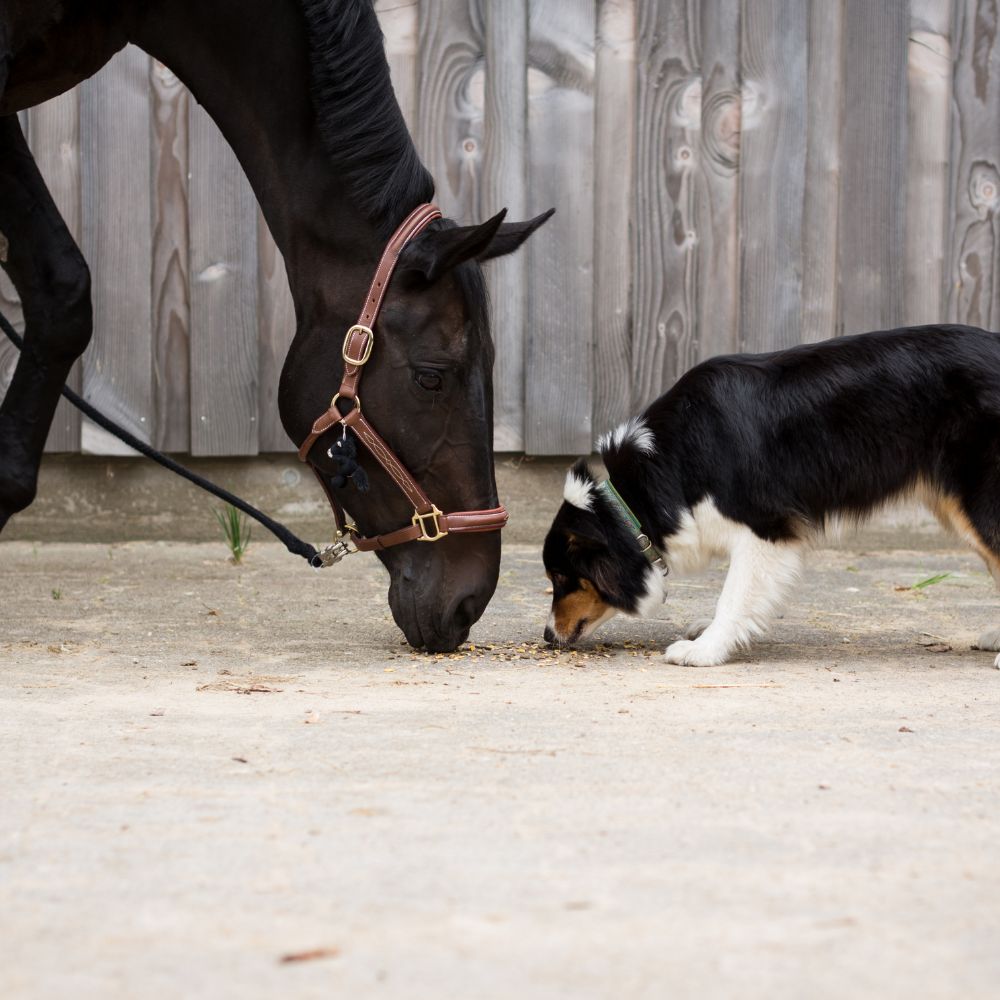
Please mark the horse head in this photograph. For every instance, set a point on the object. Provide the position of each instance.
(428, 391)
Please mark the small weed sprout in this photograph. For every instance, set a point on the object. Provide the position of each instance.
(236, 529)
(56, 594)
(930, 581)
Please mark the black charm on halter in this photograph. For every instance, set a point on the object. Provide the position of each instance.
(345, 453)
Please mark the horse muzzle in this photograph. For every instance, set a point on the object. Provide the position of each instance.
(438, 592)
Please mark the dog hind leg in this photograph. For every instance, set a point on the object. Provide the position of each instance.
(990, 639)
(975, 517)
(760, 575)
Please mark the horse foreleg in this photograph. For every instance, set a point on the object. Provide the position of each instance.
(53, 282)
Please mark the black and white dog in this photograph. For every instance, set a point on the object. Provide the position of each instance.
(751, 457)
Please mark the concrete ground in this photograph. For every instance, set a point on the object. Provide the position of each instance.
(212, 786)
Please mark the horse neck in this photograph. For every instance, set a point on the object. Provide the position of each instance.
(248, 64)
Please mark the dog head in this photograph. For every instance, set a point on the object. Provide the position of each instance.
(594, 563)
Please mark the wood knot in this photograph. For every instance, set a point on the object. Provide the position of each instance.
(687, 107)
(721, 118)
(984, 187)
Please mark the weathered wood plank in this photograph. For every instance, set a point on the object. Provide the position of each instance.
(614, 203)
(873, 170)
(505, 184)
(559, 349)
(400, 25)
(276, 323)
(224, 335)
(55, 141)
(974, 254)
(115, 171)
(170, 261)
(821, 212)
(772, 168)
(718, 204)
(668, 118)
(452, 104)
(929, 72)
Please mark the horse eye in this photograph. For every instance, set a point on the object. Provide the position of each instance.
(431, 381)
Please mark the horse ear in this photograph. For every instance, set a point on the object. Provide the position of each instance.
(436, 252)
(512, 234)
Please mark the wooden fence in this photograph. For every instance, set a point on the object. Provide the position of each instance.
(729, 174)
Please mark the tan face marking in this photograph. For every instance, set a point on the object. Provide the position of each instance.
(574, 614)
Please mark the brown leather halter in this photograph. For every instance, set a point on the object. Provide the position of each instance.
(428, 523)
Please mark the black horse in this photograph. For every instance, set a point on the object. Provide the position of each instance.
(301, 90)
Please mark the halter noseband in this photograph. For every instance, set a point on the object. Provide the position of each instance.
(428, 523)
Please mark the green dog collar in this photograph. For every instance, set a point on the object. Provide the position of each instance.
(652, 554)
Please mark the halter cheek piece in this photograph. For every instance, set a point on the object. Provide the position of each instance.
(428, 523)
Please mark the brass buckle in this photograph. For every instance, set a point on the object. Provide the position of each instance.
(420, 520)
(363, 360)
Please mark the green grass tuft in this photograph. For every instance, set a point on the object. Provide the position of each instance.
(236, 529)
(930, 581)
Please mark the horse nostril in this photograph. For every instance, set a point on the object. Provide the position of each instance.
(467, 612)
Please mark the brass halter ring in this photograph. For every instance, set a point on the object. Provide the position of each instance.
(357, 406)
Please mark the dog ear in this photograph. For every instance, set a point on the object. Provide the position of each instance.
(577, 541)
(586, 532)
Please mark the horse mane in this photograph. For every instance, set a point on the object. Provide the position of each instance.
(360, 123)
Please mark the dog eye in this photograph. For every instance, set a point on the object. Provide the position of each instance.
(430, 380)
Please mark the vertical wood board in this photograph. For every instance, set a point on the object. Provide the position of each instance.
(115, 171)
(614, 201)
(821, 210)
(668, 123)
(559, 347)
(929, 72)
(974, 256)
(224, 336)
(873, 171)
(772, 172)
(452, 104)
(717, 209)
(505, 185)
(170, 261)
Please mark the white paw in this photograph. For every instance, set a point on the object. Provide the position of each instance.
(696, 654)
(989, 640)
(699, 625)
(996, 663)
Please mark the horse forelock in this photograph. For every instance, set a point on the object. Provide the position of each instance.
(359, 119)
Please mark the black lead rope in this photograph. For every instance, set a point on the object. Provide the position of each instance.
(292, 542)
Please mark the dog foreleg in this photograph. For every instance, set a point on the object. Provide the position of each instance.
(760, 575)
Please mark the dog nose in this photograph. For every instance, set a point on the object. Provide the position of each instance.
(550, 636)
